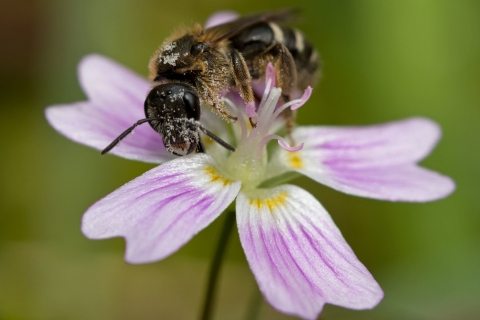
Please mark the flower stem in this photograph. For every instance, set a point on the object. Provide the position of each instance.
(255, 304)
(216, 265)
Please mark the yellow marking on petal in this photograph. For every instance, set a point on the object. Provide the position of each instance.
(271, 203)
(217, 177)
(256, 202)
(294, 159)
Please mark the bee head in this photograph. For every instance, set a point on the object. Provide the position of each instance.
(177, 108)
(173, 110)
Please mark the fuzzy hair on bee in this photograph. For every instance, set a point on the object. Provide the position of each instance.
(194, 66)
(188, 56)
(231, 54)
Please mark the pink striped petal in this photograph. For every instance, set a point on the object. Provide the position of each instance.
(401, 183)
(220, 17)
(377, 162)
(400, 142)
(298, 255)
(111, 85)
(161, 210)
(96, 127)
(116, 102)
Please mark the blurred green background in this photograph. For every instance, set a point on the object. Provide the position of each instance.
(383, 60)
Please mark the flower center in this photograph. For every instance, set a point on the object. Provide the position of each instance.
(249, 161)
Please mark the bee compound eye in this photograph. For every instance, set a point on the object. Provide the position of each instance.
(197, 48)
(192, 105)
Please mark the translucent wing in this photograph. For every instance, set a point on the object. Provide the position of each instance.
(228, 30)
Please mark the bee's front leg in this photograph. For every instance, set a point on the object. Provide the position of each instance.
(211, 99)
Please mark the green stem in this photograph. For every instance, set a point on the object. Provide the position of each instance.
(255, 304)
(216, 265)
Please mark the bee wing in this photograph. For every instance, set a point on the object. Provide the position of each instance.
(230, 29)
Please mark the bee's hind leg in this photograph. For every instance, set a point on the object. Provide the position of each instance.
(242, 79)
(286, 78)
(241, 76)
(289, 116)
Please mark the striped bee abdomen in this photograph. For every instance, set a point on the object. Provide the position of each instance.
(255, 42)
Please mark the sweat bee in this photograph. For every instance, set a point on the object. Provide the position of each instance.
(196, 65)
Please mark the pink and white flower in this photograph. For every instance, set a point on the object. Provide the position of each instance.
(297, 254)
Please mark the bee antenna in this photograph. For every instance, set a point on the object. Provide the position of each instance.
(125, 133)
(217, 139)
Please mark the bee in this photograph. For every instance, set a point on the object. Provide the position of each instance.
(173, 110)
(197, 65)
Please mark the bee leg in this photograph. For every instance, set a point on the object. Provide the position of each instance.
(200, 146)
(241, 75)
(289, 116)
(220, 109)
(242, 79)
(217, 105)
(286, 77)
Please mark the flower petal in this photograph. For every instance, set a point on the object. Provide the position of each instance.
(116, 103)
(106, 82)
(298, 255)
(402, 183)
(377, 162)
(161, 210)
(220, 17)
(95, 127)
(400, 142)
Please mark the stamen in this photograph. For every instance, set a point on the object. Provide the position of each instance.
(250, 110)
(306, 95)
(269, 85)
(281, 141)
(269, 82)
(265, 114)
(297, 103)
(270, 74)
(252, 144)
(285, 106)
(285, 145)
